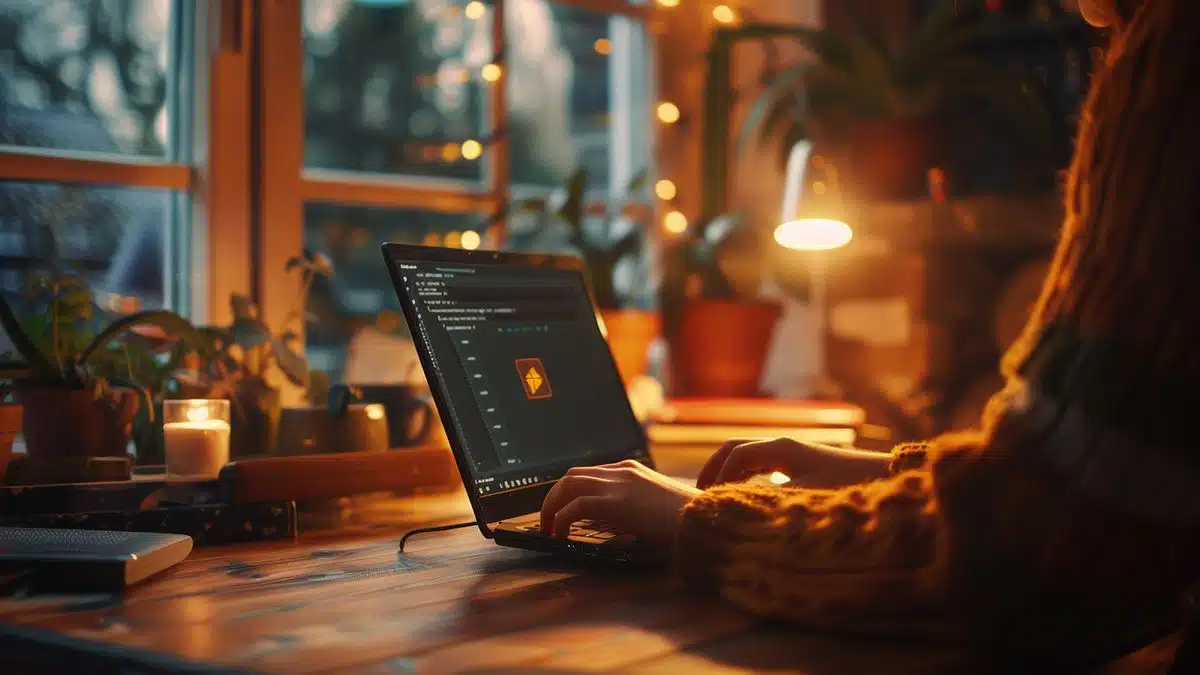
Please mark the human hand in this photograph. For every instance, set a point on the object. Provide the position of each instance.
(808, 464)
(627, 495)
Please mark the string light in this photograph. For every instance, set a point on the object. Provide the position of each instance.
(471, 149)
(668, 112)
(491, 72)
(450, 152)
(470, 240)
(668, 3)
(665, 190)
(603, 46)
(453, 240)
(723, 14)
(475, 10)
(675, 222)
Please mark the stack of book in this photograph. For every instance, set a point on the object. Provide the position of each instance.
(712, 421)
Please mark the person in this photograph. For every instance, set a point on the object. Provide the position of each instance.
(1064, 529)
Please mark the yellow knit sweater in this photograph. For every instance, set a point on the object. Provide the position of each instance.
(1069, 523)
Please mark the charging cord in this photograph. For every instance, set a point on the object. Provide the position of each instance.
(430, 530)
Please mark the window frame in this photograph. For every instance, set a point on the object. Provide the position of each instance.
(210, 204)
(284, 185)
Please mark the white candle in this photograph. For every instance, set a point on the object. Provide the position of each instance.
(198, 446)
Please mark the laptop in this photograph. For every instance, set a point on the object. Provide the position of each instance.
(524, 382)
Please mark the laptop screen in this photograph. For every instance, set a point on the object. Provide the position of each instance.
(528, 379)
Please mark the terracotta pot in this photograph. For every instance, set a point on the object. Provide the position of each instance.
(720, 347)
(630, 334)
(60, 422)
(890, 159)
(10, 426)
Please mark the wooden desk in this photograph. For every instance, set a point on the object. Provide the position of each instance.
(350, 603)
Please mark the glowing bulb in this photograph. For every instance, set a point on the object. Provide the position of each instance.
(813, 234)
(723, 14)
(375, 412)
(470, 240)
(491, 72)
(668, 3)
(198, 412)
(668, 112)
(474, 10)
(665, 189)
(603, 46)
(675, 222)
(779, 478)
(453, 240)
(450, 152)
(472, 149)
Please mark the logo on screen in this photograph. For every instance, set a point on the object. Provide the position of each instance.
(533, 378)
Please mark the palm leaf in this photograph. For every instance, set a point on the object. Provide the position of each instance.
(784, 95)
(21, 341)
(170, 322)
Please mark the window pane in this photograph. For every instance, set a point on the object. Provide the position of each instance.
(396, 87)
(113, 237)
(358, 305)
(86, 75)
(559, 91)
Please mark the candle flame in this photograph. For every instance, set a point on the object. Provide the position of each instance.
(198, 413)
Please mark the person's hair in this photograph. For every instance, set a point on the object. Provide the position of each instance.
(1127, 256)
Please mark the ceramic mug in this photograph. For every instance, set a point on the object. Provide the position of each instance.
(411, 416)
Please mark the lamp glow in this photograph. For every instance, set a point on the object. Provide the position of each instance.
(491, 72)
(668, 112)
(475, 10)
(813, 234)
(470, 240)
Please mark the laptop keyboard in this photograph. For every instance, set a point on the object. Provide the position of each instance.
(589, 529)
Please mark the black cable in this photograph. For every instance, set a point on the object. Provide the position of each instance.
(430, 530)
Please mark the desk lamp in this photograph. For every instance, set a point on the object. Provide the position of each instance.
(821, 228)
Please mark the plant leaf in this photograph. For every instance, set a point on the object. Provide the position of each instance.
(293, 365)
(637, 183)
(340, 398)
(147, 401)
(572, 209)
(783, 96)
(22, 342)
(171, 323)
(249, 332)
(243, 307)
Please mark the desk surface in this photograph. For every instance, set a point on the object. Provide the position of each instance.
(453, 602)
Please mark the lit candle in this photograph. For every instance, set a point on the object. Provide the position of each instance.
(196, 436)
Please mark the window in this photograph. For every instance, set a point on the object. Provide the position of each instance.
(94, 143)
(422, 118)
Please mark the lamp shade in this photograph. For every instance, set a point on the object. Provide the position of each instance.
(813, 234)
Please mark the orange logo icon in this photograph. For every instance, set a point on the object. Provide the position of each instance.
(533, 378)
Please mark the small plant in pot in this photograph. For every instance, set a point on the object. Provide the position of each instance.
(613, 250)
(718, 337)
(251, 364)
(74, 407)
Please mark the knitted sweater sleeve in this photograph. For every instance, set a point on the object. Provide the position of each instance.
(864, 558)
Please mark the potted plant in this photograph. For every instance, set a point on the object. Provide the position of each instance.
(873, 110)
(618, 239)
(250, 364)
(74, 404)
(718, 338)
